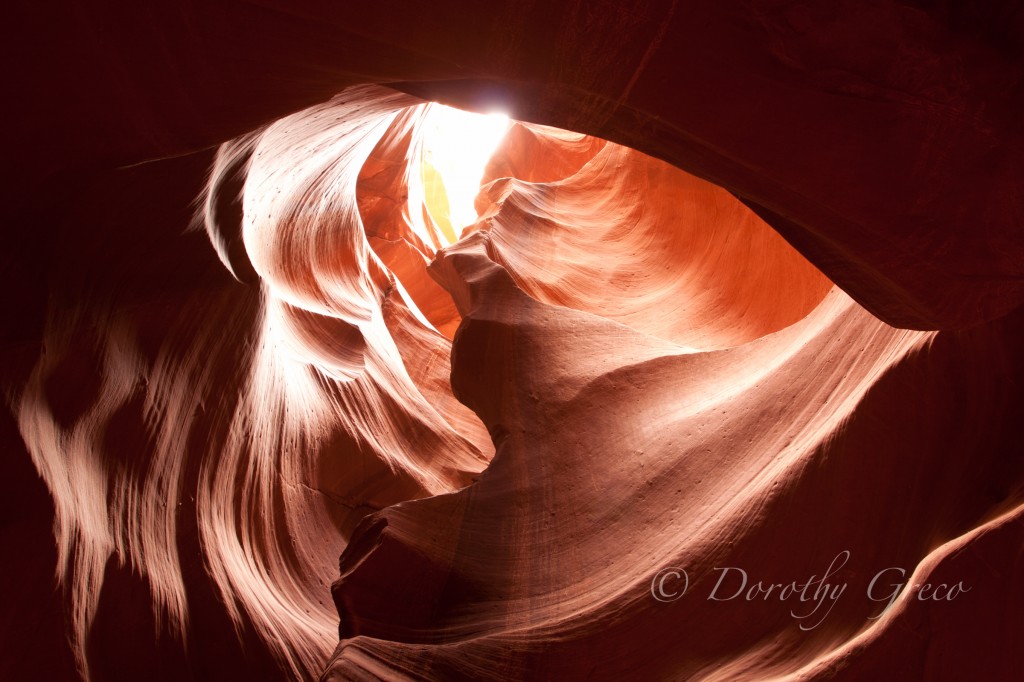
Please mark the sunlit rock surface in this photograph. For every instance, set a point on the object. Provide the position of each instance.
(240, 343)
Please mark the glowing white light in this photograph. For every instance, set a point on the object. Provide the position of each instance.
(457, 145)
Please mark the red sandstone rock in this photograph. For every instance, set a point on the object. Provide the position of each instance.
(200, 424)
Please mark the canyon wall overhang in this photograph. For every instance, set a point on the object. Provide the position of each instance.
(774, 319)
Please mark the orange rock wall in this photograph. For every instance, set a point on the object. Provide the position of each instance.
(774, 319)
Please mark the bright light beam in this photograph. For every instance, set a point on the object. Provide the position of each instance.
(456, 147)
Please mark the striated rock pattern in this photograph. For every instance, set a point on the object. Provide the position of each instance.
(723, 384)
(646, 420)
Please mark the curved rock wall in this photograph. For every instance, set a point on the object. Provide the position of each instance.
(777, 333)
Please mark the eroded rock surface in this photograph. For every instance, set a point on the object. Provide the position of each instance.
(779, 329)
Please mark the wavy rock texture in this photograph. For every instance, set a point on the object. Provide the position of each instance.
(669, 384)
(238, 345)
(266, 420)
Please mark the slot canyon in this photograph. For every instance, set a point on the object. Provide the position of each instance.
(653, 340)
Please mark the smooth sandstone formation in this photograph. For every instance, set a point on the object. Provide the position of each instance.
(239, 346)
